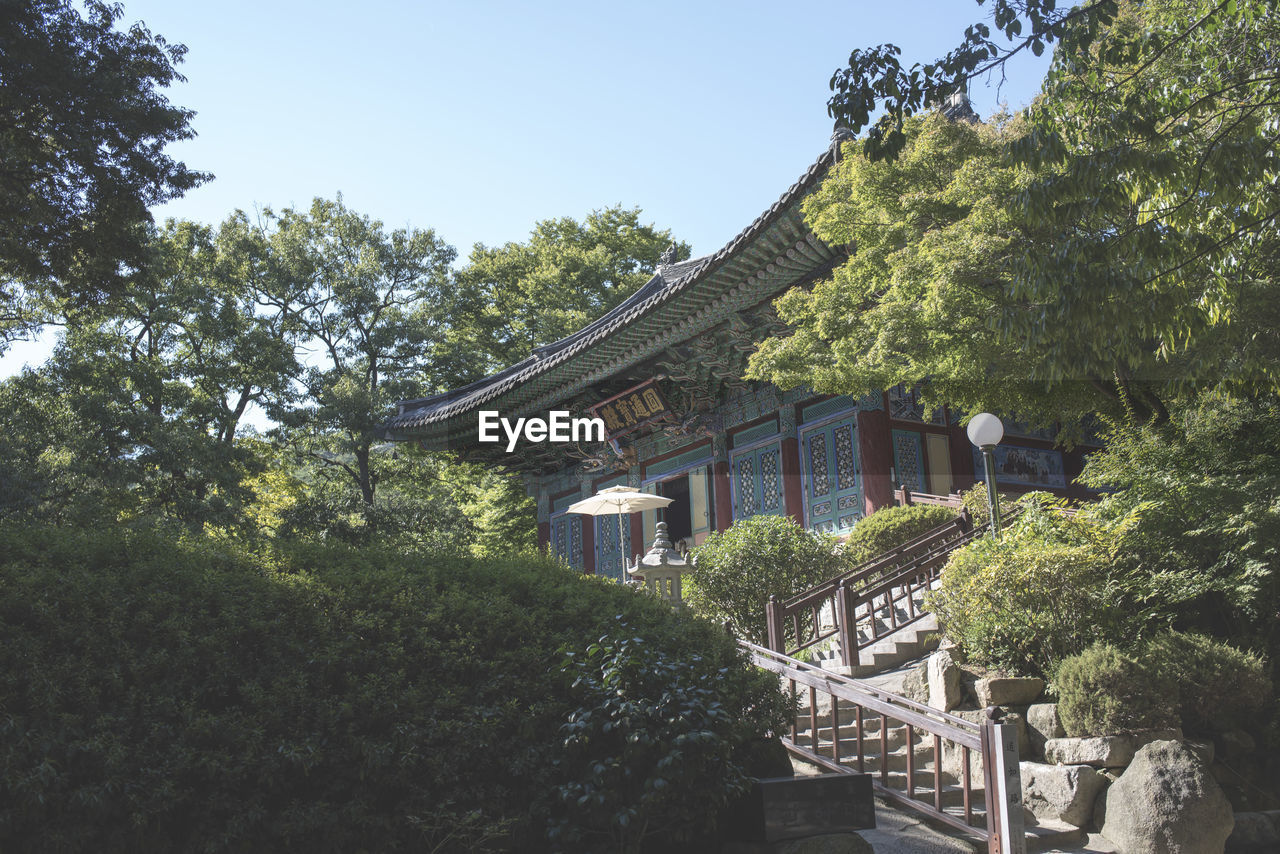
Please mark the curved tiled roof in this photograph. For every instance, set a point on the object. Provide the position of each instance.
(772, 253)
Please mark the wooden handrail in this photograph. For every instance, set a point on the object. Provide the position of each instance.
(900, 708)
(995, 745)
(961, 524)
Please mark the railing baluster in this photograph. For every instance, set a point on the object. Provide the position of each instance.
(813, 716)
(937, 772)
(857, 712)
(795, 722)
(835, 728)
(968, 791)
(884, 749)
(911, 761)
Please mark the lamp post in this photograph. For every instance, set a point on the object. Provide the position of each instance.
(985, 432)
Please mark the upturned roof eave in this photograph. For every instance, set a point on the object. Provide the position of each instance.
(432, 420)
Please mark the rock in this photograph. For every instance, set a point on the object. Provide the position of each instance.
(1104, 751)
(1100, 751)
(1166, 801)
(1099, 817)
(1060, 792)
(915, 686)
(1043, 724)
(1143, 737)
(1253, 832)
(1008, 691)
(831, 843)
(944, 681)
(1236, 743)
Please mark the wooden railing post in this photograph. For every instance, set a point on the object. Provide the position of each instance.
(1003, 786)
(847, 624)
(773, 623)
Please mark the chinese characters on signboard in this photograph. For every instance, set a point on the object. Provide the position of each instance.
(627, 411)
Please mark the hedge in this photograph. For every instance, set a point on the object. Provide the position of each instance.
(160, 694)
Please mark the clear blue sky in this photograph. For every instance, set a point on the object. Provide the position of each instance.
(480, 118)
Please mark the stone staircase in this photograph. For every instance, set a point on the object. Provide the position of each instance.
(892, 648)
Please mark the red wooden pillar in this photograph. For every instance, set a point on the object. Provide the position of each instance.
(875, 446)
(723, 496)
(962, 473)
(638, 545)
(791, 491)
(544, 536)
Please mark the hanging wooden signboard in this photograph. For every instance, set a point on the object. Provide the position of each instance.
(631, 409)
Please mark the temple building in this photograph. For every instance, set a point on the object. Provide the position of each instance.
(664, 369)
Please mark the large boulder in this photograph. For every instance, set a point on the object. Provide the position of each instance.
(1060, 792)
(1104, 751)
(944, 681)
(1008, 691)
(1254, 833)
(1167, 803)
(1043, 724)
(915, 685)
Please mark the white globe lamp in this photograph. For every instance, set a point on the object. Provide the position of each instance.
(985, 432)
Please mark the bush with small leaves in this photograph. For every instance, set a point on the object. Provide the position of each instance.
(737, 570)
(653, 752)
(162, 694)
(890, 527)
(1105, 690)
(1027, 601)
(1222, 688)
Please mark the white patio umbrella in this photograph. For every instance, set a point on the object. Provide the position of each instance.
(619, 500)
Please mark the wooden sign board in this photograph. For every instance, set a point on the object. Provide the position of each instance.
(633, 408)
(795, 807)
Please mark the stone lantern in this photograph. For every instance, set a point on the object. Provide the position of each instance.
(660, 570)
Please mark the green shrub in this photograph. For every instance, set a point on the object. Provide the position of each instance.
(647, 724)
(975, 501)
(165, 695)
(737, 570)
(891, 527)
(1222, 688)
(1104, 690)
(1041, 593)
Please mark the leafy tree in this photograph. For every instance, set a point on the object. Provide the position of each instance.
(519, 296)
(1153, 158)
(138, 409)
(1198, 499)
(370, 309)
(82, 153)
(925, 298)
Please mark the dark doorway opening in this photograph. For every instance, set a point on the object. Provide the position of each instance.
(679, 513)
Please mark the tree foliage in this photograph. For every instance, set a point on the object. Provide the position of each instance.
(1148, 202)
(82, 154)
(1199, 500)
(519, 296)
(925, 297)
(367, 307)
(138, 409)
